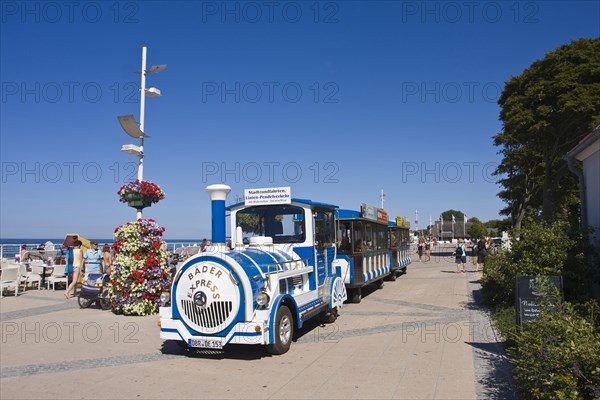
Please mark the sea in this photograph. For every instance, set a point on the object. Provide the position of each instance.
(12, 246)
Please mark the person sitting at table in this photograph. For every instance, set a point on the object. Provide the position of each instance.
(77, 263)
(93, 259)
(23, 251)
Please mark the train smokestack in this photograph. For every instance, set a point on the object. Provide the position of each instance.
(218, 194)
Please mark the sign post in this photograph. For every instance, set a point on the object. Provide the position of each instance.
(528, 296)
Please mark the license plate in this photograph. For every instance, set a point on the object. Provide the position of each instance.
(205, 343)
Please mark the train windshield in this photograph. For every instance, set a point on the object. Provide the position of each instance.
(283, 223)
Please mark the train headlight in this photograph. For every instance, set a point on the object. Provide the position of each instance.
(262, 299)
(165, 298)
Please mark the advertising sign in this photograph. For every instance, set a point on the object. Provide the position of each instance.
(382, 216)
(368, 211)
(266, 196)
(528, 296)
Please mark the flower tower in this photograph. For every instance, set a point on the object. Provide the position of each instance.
(140, 270)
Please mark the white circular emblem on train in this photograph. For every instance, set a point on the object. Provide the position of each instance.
(207, 297)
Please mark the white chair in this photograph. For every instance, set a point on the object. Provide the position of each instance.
(35, 275)
(22, 275)
(57, 276)
(9, 277)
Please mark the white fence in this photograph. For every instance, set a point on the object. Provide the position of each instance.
(8, 251)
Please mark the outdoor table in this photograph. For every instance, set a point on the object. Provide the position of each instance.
(44, 267)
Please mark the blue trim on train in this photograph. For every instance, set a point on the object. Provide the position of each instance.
(274, 308)
(348, 214)
(308, 252)
(169, 330)
(310, 304)
(350, 267)
(246, 334)
(261, 257)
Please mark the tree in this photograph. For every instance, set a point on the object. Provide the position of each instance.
(545, 111)
(458, 215)
(499, 224)
(477, 229)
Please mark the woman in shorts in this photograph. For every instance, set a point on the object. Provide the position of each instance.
(77, 263)
(460, 257)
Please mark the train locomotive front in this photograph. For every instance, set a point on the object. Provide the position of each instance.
(263, 288)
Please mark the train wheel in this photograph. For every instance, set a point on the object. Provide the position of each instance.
(83, 302)
(330, 316)
(379, 283)
(355, 295)
(392, 276)
(284, 331)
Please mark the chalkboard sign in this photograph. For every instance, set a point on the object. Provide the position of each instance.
(528, 299)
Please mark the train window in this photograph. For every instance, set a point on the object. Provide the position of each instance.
(284, 224)
(345, 237)
(369, 237)
(382, 238)
(324, 228)
(395, 239)
(359, 238)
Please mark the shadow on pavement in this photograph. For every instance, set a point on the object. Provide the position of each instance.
(493, 369)
(496, 383)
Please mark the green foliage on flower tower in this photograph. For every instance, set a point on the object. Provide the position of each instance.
(140, 269)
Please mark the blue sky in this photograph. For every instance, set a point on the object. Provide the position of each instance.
(337, 99)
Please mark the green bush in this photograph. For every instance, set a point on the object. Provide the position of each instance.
(504, 320)
(542, 249)
(499, 280)
(557, 356)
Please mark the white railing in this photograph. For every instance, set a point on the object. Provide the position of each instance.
(9, 250)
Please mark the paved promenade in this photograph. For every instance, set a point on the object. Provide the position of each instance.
(423, 336)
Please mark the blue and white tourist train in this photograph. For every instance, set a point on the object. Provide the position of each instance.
(278, 273)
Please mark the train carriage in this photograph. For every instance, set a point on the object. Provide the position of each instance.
(364, 256)
(399, 247)
(262, 292)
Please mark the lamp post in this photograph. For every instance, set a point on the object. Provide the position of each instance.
(131, 127)
(417, 221)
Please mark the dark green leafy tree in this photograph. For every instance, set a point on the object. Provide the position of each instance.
(499, 224)
(476, 229)
(546, 110)
(458, 215)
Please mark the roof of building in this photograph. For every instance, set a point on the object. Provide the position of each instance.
(586, 146)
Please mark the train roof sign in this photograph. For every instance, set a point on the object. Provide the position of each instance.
(382, 215)
(368, 211)
(268, 196)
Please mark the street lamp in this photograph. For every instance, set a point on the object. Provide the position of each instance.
(417, 221)
(128, 121)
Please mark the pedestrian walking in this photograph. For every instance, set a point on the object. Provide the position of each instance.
(77, 263)
(460, 257)
(483, 246)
